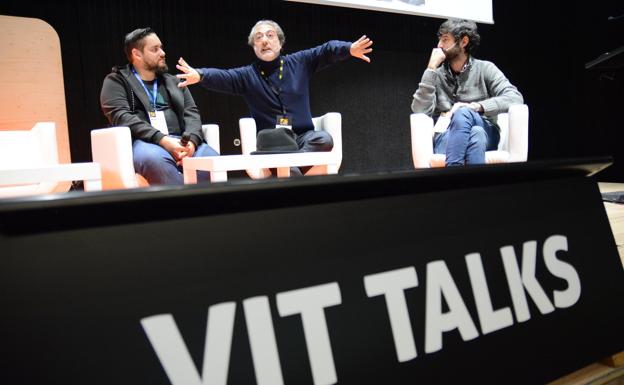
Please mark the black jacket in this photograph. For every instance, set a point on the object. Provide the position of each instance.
(125, 103)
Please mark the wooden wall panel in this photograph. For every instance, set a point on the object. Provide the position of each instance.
(32, 78)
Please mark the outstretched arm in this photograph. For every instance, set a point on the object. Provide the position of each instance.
(361, 47)
(232, 81)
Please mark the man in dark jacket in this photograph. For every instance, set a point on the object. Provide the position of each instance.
(276, 85)
(144, 97)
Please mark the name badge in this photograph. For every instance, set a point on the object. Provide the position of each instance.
(158, 121)
(284, 121)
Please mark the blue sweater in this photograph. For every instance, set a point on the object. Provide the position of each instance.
(293, 87)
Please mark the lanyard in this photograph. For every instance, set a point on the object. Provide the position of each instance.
(272, 87)
(152, 97)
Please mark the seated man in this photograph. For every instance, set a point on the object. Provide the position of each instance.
(144, 97)
(276, 87)
(470, 92)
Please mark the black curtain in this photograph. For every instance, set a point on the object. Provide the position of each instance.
(573, 112)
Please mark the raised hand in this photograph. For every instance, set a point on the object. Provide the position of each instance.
(361, 47)
(437, 57)
(189, 74)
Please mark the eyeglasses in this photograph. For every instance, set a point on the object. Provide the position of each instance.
(270, 35)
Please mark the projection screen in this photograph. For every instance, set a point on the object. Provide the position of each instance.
(476, 10)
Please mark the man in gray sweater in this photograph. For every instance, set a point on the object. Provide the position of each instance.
(467, 91)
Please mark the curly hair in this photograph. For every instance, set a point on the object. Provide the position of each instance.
(460, 28)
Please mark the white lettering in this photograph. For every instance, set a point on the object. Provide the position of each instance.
(439, 283)
(310, 302)
(262, 341)
(519, 282)
(563, 270)
(489, 319)
(174, 356)
(392, 285)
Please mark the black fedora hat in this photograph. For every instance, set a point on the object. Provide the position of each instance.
(278, 140)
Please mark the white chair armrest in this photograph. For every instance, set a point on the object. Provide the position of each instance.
(421, 127)
(211, 135)
(331, 123)
(518, 132)
(45, 134)
(248, 132)
(40, 143)
(36, 171)
(503, 123)
(112, 149)
(29, 181)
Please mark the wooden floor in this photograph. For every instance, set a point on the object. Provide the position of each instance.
(603, 373)
(615, 212)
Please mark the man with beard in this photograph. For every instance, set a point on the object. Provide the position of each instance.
(467, 91)
(144, 97)
(276, 85)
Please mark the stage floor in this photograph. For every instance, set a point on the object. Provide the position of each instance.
(615, 212)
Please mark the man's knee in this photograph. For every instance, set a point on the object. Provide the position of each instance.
(149, 155)
(205, 150)
(467, 111)
(478, 137)
(464, 114)
(317, 141)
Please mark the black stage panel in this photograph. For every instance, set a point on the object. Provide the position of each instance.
(492, 274)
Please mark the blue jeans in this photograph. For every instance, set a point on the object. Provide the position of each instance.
(466, 139)
(311, 141)
(159, 167)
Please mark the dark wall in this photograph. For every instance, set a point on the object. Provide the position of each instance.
(573, 111)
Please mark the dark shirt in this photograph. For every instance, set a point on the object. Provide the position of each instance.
(163, 104)
(269, 96)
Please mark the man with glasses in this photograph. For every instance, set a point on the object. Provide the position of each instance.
(144, 97)
(276, 87)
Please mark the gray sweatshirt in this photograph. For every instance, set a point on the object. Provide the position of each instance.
(480, 81)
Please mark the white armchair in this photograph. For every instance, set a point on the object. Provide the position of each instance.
(331, 122)
(513, 145)
(112, 149)
(29, 163)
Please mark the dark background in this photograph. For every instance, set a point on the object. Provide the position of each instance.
(541, 47)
